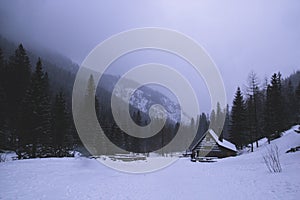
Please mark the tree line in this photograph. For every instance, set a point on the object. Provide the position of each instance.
(263, 111)
(36, 120)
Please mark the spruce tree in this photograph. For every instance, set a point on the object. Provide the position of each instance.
(18, 78)
(60, 125)
(274, 121)
(226, 128)
(220, 120)
(90, 94)
(237, 128)
(93, 136)
(268, 118)
(212, 120)
(203, 125)
(260, 102)
(15, 78)
(3, 105)
(290, 111)
(34, 130)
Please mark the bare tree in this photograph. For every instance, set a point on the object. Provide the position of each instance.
(252, 91)
(271, 159)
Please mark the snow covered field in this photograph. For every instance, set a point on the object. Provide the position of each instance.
(242, 177)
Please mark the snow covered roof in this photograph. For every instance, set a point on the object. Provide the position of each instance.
(226, 144)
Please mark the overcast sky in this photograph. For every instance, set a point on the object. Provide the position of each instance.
(240, 36)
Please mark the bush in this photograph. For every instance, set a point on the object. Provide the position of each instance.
(271, 159)
(2, 157)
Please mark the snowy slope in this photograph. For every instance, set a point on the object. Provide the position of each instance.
(241, 177)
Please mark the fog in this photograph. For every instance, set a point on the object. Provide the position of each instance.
(263, 36)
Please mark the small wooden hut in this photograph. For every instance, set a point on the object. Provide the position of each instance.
(209, 145)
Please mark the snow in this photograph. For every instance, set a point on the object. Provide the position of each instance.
(7, 156)
(225, 143)
(240, 177)
(140, 166)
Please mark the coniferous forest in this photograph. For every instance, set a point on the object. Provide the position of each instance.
(36, 119)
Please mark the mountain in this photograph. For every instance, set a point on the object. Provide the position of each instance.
(143, 98)
(62, 72)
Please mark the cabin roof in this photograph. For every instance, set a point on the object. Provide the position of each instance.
(226, 144)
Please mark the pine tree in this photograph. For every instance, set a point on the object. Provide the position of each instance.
(60, 125)
(220, 120)
(18, 78)
(3, 104)
(237, 129)
(260, 102)
(226, 128)
(253, 90)
(34, 129)
(212, 120)
(250, 121)
(274, 123)
(90, 94)
(290, 111)
(191, 130)
(93, 137)
(268, 115)
(15, 78)
(203, 125)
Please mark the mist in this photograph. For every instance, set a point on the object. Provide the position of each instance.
(259, 36)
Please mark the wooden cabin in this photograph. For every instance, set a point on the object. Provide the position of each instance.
(209, 145)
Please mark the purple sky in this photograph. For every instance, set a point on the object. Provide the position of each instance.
(240, 36)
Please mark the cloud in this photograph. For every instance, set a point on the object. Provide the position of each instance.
(240, 36)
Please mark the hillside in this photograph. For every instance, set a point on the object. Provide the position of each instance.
(61, 76)
(62, 72)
